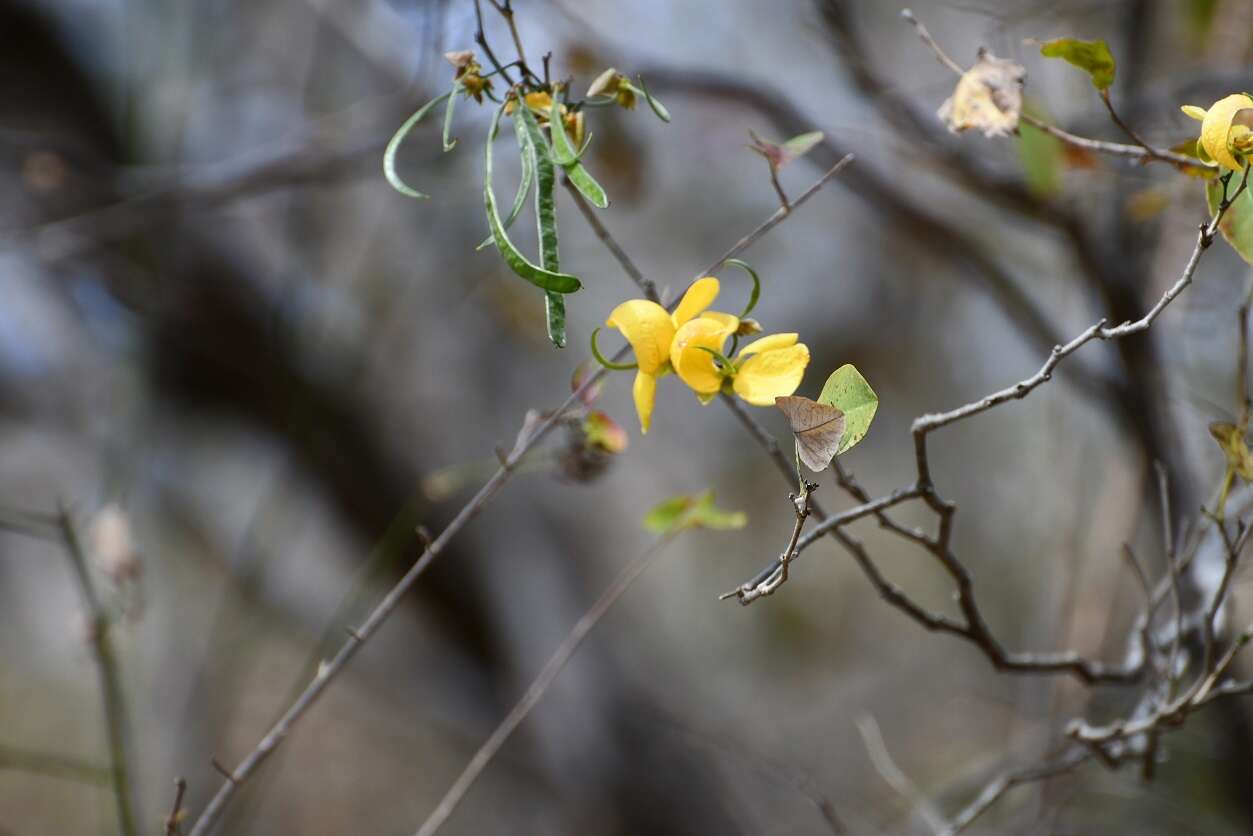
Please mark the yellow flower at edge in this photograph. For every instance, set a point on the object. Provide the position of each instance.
(650, 329)
(1221, 139)
(767, 368)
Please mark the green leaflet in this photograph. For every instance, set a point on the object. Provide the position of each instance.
(546, 279)
(658, 107)
(545, 217)
(450, 142)
(1093, 57)
(524, 187)
(849, 391)
(568, 158)
(563, 151)
(801, 144)
(1237, 224)
(692, 511)
(389, 155)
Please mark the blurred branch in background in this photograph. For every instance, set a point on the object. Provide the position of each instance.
(97, 624)
(197, 324)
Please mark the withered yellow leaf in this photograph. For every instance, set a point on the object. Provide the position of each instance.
(988, 97)
(818, 428)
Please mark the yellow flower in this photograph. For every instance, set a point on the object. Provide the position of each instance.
(650, 330)
(540, 103)
(768, 368)
(469, 73)
(1223, 140)
(691, 341)
(615, 85)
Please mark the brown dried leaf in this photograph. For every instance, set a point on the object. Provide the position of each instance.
(818, 428)
(988, 97)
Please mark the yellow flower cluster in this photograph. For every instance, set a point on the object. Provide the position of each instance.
(691, 341)
(1226, 136)
(540, 103)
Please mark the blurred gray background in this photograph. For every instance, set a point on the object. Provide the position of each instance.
(217, 316)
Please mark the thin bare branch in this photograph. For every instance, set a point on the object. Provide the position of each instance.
(174, 821)
(539, 687)
(1003, 783)
(895, 776)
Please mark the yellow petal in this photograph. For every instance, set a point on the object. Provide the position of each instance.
(698, 297)
(645, 393)
(730, 322)
(691, 362)
(1197, 113)
(770, 343)
(540, 102)
(648, 329)
(1217, 126)
(771, 374)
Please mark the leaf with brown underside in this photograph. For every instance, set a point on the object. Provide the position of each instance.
(818, 428)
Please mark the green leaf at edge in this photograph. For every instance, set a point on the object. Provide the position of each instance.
(849, 391)
(1237, 224)
(558, 282)
(393, 146)
(1093, 57)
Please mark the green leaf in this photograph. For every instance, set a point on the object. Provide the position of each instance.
(563, 151)
(449, 141)
(546, 226)
(546, 279)
(692, 511)
(568, 158)
(393, 145)
(658, 107)
(1237, 223)
(527, 158)
(802, 144)
(587, 186)
(849, 391)
(1093, 57)
(1041, 158)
